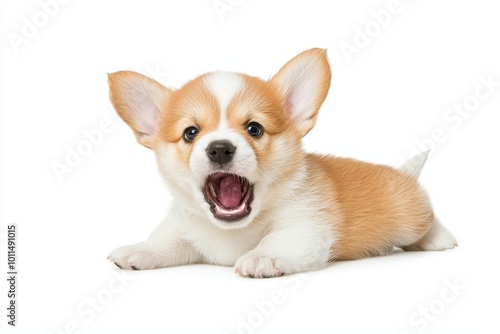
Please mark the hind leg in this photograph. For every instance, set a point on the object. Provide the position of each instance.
(437, 238)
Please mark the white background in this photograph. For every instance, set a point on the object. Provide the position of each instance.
(394, 92)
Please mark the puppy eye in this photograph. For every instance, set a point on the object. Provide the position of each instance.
(190, 133)
(254, 129)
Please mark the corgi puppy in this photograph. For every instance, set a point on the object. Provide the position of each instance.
(247, 195)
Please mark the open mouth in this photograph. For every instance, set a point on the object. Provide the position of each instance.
(229, 196)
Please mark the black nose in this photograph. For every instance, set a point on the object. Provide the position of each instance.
(220, 151)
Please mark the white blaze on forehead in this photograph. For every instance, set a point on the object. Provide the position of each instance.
(224, 86)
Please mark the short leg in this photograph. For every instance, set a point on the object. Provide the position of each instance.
(437, 238)
(164, 248)
(285, 252)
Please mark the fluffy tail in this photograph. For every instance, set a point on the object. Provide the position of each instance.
(415, 164)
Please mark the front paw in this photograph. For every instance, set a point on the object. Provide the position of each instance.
(258, 266)
(133, 257)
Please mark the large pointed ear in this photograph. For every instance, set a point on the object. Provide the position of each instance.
(303, 83)
(139, 101)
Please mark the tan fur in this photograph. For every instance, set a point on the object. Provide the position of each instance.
(259, 102)
(191, 105)
(373, 207)
(128, 90)
(323, 85)
(377, 206)
(361, 209)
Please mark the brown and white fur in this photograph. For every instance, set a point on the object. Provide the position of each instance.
(235, 139)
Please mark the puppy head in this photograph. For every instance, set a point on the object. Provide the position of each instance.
(228, 143)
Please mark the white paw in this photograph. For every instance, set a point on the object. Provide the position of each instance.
(436, 244)
(445, 240)
(437, 239)
(134, 257)
(258, 266)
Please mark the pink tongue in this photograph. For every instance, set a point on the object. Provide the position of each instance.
(230, 191)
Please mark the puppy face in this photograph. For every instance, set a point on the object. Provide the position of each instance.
(229, 144)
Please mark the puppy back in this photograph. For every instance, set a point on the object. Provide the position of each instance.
(376, 207)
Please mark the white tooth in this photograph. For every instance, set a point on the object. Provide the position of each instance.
(212, 190)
